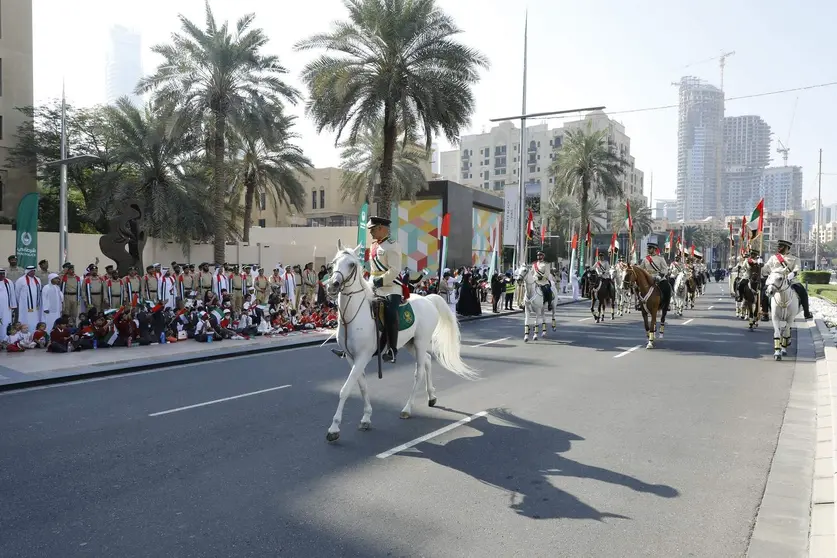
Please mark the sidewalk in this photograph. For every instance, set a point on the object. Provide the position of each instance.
(38, 367)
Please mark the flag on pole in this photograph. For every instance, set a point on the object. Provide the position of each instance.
(530, 226)
(444, 235)
(692, 251)
(731, 237)
(543, 233)
(596, 257)
(744, 228)
(612, 242)
(575, 241)
(670, 241)
(756, 224)
(629, 222)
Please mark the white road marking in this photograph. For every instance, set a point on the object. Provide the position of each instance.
(629, 351)
(687, 322)
(489, 342)
(218, 401)
(720, 299)
(711, 307)
(433, 434)
(585, 319)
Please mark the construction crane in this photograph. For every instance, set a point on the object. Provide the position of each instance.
(783, 147)
(722, 58)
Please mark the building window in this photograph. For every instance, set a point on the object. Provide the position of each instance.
(313, 199)
(262, 223)
(262, 201)
(322, 198)
(485, 185)
(485, 175)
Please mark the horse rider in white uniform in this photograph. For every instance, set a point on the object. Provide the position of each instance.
(784, 260)
(543, 274)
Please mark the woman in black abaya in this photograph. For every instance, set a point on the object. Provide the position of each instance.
(468, 304)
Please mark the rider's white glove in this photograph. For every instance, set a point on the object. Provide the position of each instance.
(760, 261)
(791, 275)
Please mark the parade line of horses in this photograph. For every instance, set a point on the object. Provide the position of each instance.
(429, 329)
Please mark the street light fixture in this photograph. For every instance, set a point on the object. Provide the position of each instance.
(64, 163)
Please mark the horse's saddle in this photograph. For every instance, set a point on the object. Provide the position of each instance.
(406, 318)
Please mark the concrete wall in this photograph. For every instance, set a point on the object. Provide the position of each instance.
(268, 247)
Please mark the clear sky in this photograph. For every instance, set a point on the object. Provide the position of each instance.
(623, 55)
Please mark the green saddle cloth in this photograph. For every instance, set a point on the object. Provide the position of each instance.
(406, 318)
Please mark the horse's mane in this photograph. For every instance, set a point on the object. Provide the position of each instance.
(647, 275)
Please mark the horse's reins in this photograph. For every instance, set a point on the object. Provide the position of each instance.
(346, 282)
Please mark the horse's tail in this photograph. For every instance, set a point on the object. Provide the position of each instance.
(446, 340)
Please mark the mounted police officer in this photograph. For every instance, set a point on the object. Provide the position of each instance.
(385, 264)
(784, 260)
(542, 275)
(657, 267)
(602, 269)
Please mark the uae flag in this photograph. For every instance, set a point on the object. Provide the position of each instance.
(629, 221)
(112, 338)
(530, 226)
(756, 224)
(219, 315)
(612, 242)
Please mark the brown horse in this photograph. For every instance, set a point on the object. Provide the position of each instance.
(602, 291)
(749, 291)
(650, 298)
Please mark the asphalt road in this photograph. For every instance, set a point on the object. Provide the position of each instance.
(586, 450)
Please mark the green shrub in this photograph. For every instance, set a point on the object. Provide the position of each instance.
(816, 277)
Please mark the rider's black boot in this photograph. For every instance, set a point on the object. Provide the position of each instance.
(803, 299)
(339, 353)
(392, 328)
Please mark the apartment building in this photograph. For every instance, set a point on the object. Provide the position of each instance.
(746, 155)
(700, 135)
(16, 90)
(491, 160)
(781, 188)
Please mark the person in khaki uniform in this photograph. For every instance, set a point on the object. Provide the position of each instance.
(151, 285)
(13, 272)
(203, 281)
(71, 287)
(94, 289)
(113, 288)
(132, 284)
(186, 285)
(43, 272)
(261, 285)
(309, 282)
(238, 289)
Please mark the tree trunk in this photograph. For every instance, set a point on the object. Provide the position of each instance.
(585, 201)
(219, 190)
(390, 137)
(249, 194)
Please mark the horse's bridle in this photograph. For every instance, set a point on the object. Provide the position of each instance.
(343, 284)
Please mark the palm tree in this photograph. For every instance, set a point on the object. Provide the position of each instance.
(641, 217)
(222, 74)
(586, 166)
(268, 163)
(394, 61)
(362, 159)
(157, 150)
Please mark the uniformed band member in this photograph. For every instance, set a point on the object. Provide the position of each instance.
(151, 284)
(784, 260)
(71, 287)
(113, 288)
(385, 262)
(204, 281)
(93, 289)
(657, 267)
(542, 274)
(133, 286)
(261, 284)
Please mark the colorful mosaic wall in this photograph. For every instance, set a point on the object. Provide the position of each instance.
(486, 224)
(418, 233)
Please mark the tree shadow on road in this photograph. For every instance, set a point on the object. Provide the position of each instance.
(526, 460)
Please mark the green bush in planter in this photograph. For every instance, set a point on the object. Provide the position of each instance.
(816, 277)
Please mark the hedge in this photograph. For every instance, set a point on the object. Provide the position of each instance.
(816, 277)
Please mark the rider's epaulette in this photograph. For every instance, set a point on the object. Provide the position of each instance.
(390, 241)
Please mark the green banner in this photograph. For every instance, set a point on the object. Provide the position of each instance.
(26, 247)
(393, 228)
(362, 218)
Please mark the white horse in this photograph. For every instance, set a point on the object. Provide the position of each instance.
(784, 306)
(623, 295)
(435, 329)
(679, 293)
(533, 303)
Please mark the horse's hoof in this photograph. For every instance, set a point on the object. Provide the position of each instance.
(432, 402)
(784, 352)
(554, 328)
(534, 338)
(525, 339)
(404, 415)
(332, 436)
(364, 425)
(650, 345)
(777, 357)
(659, 336)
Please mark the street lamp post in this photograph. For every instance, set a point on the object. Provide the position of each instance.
(65, 162)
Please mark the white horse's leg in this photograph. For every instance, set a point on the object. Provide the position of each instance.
(366, 419)
(535, 316)
(417, 377)
(356, 371)
(526, 322)
(554, 306)
(428, 378)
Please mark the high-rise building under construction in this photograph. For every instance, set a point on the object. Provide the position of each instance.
(746, 155)
(700, 135)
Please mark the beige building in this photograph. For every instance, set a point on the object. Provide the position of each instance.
(324, 203)
(16, 90)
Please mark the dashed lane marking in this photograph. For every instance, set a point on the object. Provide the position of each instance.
(195, 406)
(490, 342)
(629, 351)
(585, 319)
(433, 434)
(687, 322)
(711, 307)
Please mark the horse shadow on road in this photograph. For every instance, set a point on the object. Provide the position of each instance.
(526, 461)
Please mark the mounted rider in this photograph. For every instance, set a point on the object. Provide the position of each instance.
(657, 266)
(542, 271)
(675, 269)
(784, 260)
(385, 263)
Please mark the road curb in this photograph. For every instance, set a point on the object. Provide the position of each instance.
(90, 373)
(782, 525)
(823, 522)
